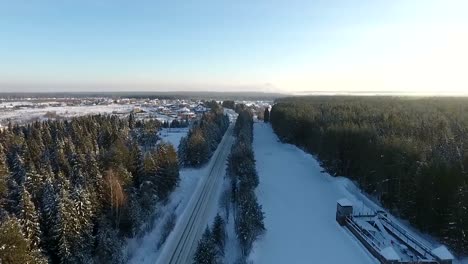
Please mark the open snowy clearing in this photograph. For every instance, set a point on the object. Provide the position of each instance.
(299, 204)
(173, 135)
(22, 115)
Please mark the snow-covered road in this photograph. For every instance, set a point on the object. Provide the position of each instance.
(299, 204)
(182, 242)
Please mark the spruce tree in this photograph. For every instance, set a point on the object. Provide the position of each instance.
(15, 248)
(206, 251)
(48, 213)
(29, 219)
(4, 174)
(108, 244)
(168, 170)
(219, 234)
(17, 168)
(266, 115)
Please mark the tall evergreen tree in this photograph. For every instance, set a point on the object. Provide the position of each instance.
(15, 248)
(206, 251)
(29, 220)
(49, 211)
(219, 234)
(4, 174)
(266, 115)
(168, 169)
(17, 168)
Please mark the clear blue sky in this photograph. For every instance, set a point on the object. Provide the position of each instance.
(288, 46)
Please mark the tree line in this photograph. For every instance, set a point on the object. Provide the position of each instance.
(176, 124)
(241, 170)
(72, 190)
(203, 138)
(409, 153)
(210, 249)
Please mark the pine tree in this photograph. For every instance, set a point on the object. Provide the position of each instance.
(49, 211)
(4, 174)
(17, 168)
(206, 251)
(249, 220)
(197, 149)
(168, 170)
(131, 121)
(13, 196)
(33, 184)
(182, 151)
(108, 244)
(29, 219)
(138, 166)
(77, 177)
(266, 115)
(66, 230)
(15, 248)
(219, 234)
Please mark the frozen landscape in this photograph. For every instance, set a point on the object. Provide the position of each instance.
(300, 205)
(299, 201)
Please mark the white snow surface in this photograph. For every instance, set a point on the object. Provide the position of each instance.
(443, 253)
(65, 111)
(300, 205)
(344, 202)
(389, 253)
(173, 135)
(299, 201)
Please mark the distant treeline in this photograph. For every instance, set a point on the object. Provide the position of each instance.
(410, 153)
(203, 138)
(71, 191)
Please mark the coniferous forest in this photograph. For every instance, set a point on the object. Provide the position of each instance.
(71, 191)
(203, 138)
(409, 153)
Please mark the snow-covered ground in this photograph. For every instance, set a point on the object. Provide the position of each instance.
(299, 204)
(28, 114)
(173, 135)
(299, 201)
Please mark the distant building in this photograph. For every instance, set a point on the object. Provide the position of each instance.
(200, 109)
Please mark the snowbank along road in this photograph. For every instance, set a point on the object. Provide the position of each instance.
(182, 242)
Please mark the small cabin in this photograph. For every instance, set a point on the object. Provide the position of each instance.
(344, 208)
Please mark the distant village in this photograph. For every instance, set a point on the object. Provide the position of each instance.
(25, 110)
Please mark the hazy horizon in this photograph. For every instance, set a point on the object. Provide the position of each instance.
(298, 47)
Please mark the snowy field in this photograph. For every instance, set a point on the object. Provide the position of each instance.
(31, 114)
(173, 135)
(299, 204)
(25, 115)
